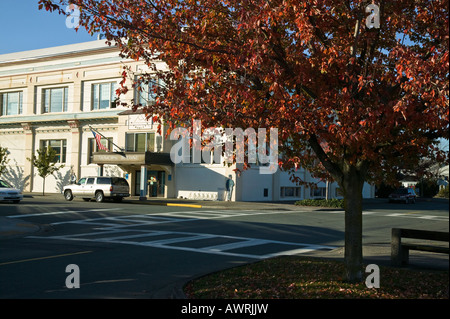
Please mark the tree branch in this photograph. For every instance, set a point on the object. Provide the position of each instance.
(331, 167)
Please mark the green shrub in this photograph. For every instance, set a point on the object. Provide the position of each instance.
(335, 203)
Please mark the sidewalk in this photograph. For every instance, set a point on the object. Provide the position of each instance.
(13, 227)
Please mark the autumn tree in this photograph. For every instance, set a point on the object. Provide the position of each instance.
(351, 100)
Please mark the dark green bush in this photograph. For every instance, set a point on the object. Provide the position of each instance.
(335, 203)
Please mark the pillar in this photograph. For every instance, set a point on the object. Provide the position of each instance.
(29, 152)
(100, 170)
(143, 185)
(75, 150)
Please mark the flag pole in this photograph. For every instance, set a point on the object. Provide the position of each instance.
(121, 149)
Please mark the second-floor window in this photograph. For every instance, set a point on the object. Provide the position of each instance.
(11, 103)
(55, 100)
(140, 142)
(103, 96)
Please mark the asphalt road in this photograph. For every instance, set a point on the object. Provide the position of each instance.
(129, 250)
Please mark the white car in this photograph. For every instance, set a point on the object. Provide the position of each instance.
(9, 193)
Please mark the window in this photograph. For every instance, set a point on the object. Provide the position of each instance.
(119, 181)
(60, 146)
(93, 148)
(90, 181)
(148, 92)
(11, 103)
(103, 96)
(318, 192)
(140, 142)
(103, 180)
(290, 192)
(55, 100)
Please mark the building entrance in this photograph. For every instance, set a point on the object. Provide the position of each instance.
(156, 181)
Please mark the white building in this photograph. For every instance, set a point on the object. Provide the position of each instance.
(54, 96)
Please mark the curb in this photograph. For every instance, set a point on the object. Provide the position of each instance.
(161, 203)
(10, 228)
(173, 202)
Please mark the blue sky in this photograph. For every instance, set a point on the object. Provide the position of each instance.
(24, 27)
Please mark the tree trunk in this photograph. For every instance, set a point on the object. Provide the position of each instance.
(351, 178)
(353, 182)
(43, 186)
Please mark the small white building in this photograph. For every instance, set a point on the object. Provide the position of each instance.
(54, 96)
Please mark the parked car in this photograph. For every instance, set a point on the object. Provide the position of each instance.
(98, 187)
(9, 193)
(407, 195)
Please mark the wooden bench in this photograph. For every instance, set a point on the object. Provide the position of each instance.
(400, 251)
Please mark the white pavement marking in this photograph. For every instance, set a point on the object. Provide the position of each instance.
(127, 229)
(410, 215)
(63, 212)
(188, 237)
(123, 230)
(381, 214)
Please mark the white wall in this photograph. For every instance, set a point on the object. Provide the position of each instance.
(253, 183)
(198, 177)
(14, 174)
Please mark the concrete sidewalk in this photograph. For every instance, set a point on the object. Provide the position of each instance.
(13, 227)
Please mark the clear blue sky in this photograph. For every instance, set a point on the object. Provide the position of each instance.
(24, 27)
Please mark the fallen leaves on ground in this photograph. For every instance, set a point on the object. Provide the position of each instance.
(293, 277)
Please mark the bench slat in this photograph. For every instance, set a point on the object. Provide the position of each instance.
(423, 234)
(436, 249)
(400, 251)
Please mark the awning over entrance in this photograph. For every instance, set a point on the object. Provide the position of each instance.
(129, 161)
(132, 158)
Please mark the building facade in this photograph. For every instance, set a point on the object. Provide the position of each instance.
(58, 96)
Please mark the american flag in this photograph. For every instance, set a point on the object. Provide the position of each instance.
(98, 138)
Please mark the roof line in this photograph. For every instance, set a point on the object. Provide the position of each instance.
(46, 53)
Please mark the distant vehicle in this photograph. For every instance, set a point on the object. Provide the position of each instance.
(9, 193)
(98, 187)
(407, 195)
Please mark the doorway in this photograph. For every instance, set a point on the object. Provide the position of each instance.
(156, 182)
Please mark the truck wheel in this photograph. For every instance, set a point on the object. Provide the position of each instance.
(99, 197)
(68, 195)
